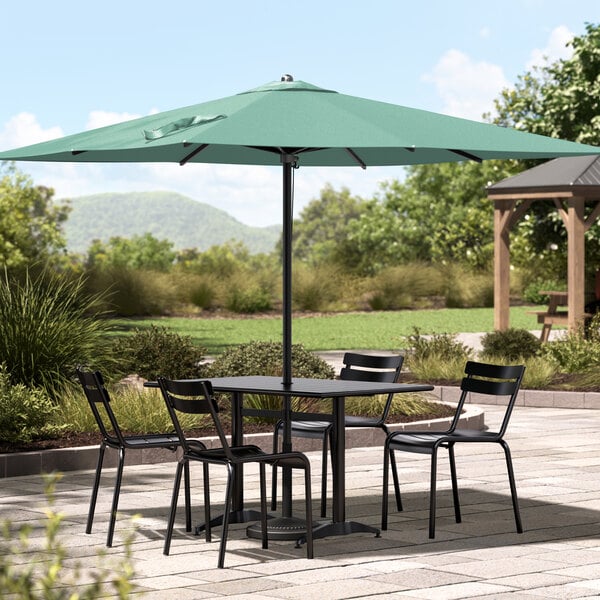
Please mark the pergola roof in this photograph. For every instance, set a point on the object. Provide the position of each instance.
(576, 176)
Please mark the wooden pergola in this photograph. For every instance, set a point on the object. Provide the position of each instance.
(569, 183)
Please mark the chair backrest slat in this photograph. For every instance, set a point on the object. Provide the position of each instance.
(493, 380)
(374, 368)
(193, 397)
(97, 395)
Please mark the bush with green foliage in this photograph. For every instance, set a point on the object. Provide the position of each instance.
(466, 289)
(133, 292)
(511, 344)
(576, 352)
(438, 356)
(531, 293)
(155, 352)
(25, 413)
(48, 325)
(48, 574)
(316, 288)
(266, 358)
(404, 286)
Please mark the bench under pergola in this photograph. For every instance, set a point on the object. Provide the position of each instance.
(568, 182)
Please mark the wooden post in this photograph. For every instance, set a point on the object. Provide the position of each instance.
(502, 213)
(576, 261)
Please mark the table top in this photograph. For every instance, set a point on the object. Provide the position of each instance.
(311, 388)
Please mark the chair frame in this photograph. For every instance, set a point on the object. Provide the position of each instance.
(97, 395)
(481, 378)
(357, 367)
(196, 397)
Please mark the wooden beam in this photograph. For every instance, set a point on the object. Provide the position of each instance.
(591, 219)
(503, 210)
(576, 261)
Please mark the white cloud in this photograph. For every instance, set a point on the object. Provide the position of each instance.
(24, 129)
(467, 87)
(555, 49)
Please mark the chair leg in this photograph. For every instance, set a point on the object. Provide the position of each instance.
(226, 508)
(94, 497)
(396, 481)
(384, 501)
(206, 485)
(309, 519)
(188, 496)
(513, 487)
(263, 506)
(432, 493)
(457, 515)
(175, 496)
(115, 502)
(274, 471)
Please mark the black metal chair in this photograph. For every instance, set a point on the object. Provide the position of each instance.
(112, 437)
(196, 397)
(481, 378)
(357, 367)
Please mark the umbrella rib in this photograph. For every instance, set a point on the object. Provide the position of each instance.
(191, 155)
(466, 155)
(356, 158)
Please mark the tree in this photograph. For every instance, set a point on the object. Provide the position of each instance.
(440, 213)
(323, 225)
(30, 223)
(138, 252)
(560, 100)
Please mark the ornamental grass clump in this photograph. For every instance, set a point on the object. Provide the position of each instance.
(48, 325)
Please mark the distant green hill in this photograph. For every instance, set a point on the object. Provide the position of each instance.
(166, 215)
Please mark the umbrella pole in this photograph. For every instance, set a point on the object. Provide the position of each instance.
(288, 161)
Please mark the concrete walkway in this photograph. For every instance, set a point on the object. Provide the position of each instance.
(557, 465)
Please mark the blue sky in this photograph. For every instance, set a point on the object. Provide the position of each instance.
(71, 65)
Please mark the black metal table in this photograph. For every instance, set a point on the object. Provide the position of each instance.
(287, 527)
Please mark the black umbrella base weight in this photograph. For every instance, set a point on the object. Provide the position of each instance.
(290, 528)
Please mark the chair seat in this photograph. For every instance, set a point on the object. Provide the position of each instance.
(423, 441)
(151, 441)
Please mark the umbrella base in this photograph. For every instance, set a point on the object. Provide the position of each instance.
(290, 528)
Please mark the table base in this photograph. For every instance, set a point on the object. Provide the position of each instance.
(290, 528)
(236, 516)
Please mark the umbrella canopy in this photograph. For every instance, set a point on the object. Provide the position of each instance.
(296, 124)
(320, 127)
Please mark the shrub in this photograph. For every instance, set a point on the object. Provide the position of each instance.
(531, 293)
(49, 574)
(266, 358)
(133, 292)
(439, 356)
(511, 344)
(403, 286)
(576, 353)
(202, 293)
(47, 326)
(465, 289)
(315, 288)
(25, 414)
(157, 351)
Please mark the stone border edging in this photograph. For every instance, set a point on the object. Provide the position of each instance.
(72, 459)
(85, 457)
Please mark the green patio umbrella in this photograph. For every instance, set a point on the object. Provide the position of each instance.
(296, 124)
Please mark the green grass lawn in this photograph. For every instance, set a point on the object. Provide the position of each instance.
(373, 330)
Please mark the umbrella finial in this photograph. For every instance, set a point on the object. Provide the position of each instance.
(287, 77)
